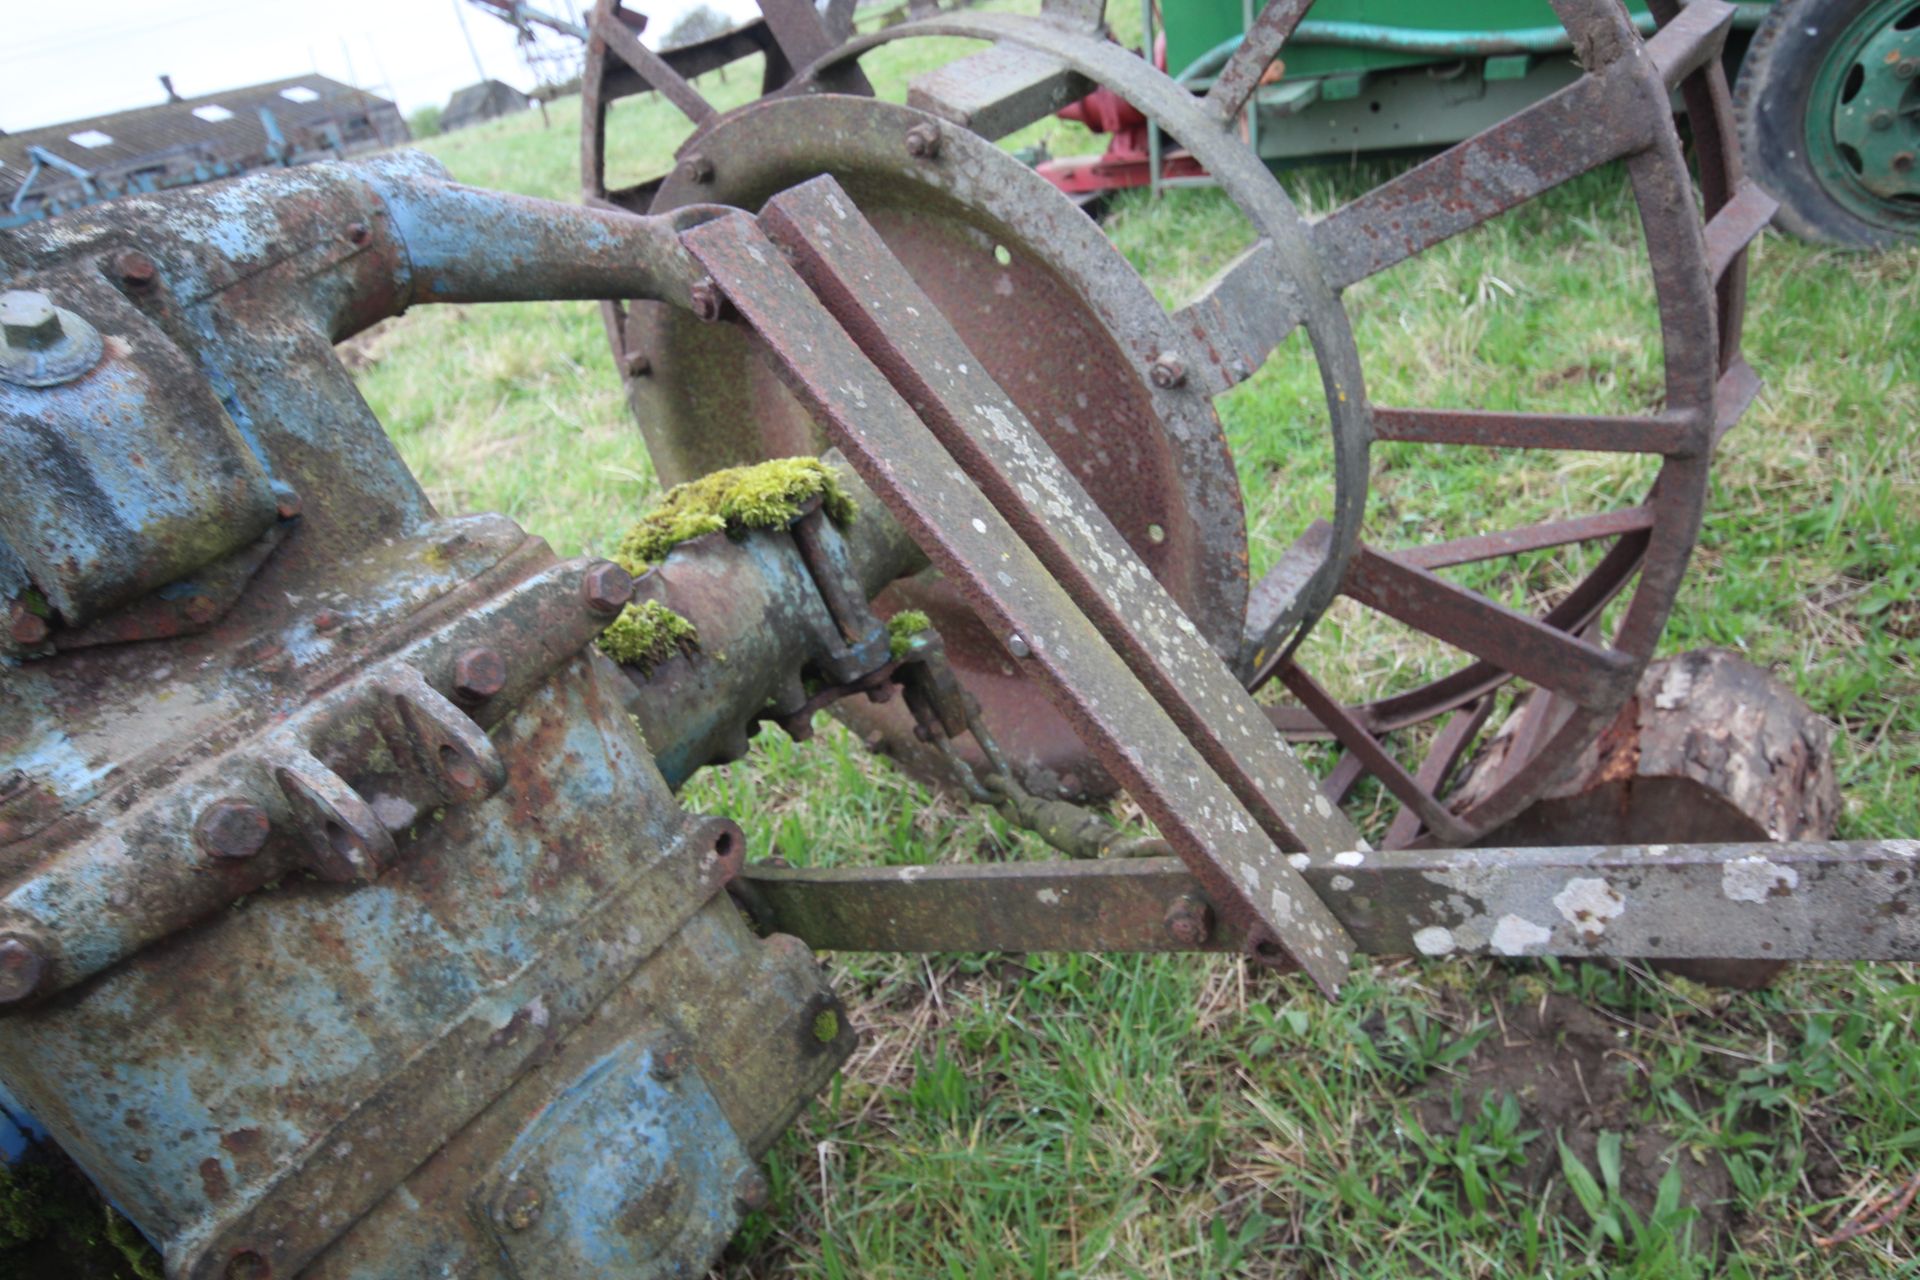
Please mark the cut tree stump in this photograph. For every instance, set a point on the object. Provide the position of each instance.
(1710, 749)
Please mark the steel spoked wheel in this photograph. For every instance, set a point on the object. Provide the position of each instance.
(1156, 374)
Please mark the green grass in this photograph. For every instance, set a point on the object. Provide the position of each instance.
(1055, 1116)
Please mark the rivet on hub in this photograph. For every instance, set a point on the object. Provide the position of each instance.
(232, 829)
(697, 168)
(923, 140)
(1017, 646)
(1169, 371)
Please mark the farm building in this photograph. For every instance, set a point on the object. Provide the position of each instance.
(187, 140)
(483, 101)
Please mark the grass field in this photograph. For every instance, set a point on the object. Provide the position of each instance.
(1055, 1116)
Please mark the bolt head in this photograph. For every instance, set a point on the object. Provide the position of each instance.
(29, 320)
(232, 829)
(135, 269)
(520, 1207)
(697, 168)
(200, 610)
(1189, 921)
(923, 140)
(359, 234)
(1169, 371)
(669, 1063)
(26, 627)
(1906, 68)
(751, 1191)
(1017, 646)
(607, 587)
(709, 303)
(479, 673)
(286, 504)
(1903, 162)
(22, 967)
(1880, 121)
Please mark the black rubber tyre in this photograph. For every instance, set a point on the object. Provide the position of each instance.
(1771, 102)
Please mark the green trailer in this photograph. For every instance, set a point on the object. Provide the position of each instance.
(1826, 93)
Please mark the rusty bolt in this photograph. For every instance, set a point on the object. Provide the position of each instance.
(360, 234)
(231, 828)
(135, 269)
(751, 1191)
(326, 620)
(200, 610)
(923, 140)
(607, 587)
(29, 320)
(248, 1266)
(1880, 121)
(1903, 162)
(520, 1207)
(479, 673)
(26, 627)
(286, 504)
(709, 303)
(669, 1063)
(1189, 921)
(21, 968)
(1169, 371)
(697, 168)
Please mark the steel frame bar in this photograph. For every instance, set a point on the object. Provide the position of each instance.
(981, 555)
(1838, 901)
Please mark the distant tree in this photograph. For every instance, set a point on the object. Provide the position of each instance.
(425, 122)
(702, 22)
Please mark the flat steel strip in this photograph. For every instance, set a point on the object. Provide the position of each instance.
(1842, 901)
(972, 544)
(867, 290)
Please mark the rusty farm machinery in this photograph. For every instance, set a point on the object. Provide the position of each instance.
(350, 923)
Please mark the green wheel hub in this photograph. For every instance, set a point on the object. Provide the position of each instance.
(1863, 121)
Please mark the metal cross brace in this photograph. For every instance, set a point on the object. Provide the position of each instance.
(1167, 762)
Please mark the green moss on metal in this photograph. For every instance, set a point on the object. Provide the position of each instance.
(902, 627)
(767, 495)
(645, 635)
(826, 1026)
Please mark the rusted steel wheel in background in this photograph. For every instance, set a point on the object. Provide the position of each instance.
(1123, 389)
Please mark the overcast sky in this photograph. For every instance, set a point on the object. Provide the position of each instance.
(66, 61)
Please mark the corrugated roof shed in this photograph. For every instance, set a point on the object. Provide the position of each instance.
(313, 112)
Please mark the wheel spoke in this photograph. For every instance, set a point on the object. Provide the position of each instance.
(1523, 645)
(1735, 225)
(1448, 745)
(649, 66)
(1581, 127)
(803, 37)
(1258, 48)
(1732, 394)
(1691, 40)
(1598, 433)
(1371, 753)
(1533, 537)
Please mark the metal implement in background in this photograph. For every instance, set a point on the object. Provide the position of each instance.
(349, 923)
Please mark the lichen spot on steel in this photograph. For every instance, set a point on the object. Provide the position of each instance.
(1588, 903)
(1755, 879)
(1515, 935)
